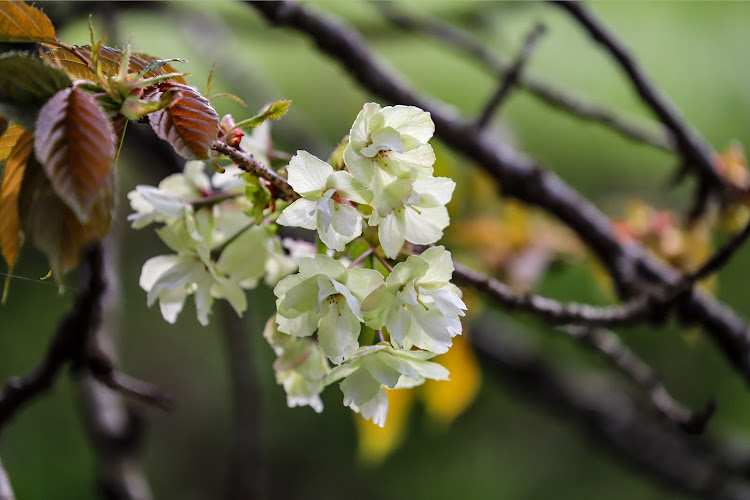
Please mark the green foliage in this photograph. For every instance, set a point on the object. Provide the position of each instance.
(26, 83)
(273, 111)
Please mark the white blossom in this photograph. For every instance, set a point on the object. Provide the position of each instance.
(326, 297)
(417, 304)
(378, 366)
(325, 203)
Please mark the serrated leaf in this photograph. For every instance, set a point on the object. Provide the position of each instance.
(9, 139)
(190, 124)
(54, 228)
(109, 59)
(20, 22)
(272, 111)
(26, 83)
(10, 189)
(75, 145)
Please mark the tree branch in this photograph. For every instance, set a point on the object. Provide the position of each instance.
(638, 371)
(612, 417)
(546, 92)
(634, 271)
(693, 148)
(115, 430)
(248, 163)
(634, 311)
(68, 343)
(511, 78)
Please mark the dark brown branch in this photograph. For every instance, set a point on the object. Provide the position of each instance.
(722, 256)
(609, 415)
(6, 491)
(634, 271)
(68, 343)
(610, 345)
(634, 311)
(511, 78)
(546, 92)
(248, 478)
(248, 163)
(693, 148)
(115, 430)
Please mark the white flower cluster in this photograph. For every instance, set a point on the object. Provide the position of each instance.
(201, 217)
(376, 325)
(388, 184)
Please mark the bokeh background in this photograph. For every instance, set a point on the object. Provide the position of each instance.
(501, 445)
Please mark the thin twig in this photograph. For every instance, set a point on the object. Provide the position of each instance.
(6, 491)
(248, 163)
(720, 258)
(546, 92)
(694, 149)
(610, 345)
(511, 78)
(629, 313)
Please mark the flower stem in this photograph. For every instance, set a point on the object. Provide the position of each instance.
(383, 261)
(361, 257)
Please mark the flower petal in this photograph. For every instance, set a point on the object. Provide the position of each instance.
(409, 120)
(338, 331)
(308, 174)
(301, 213)
(390, 236)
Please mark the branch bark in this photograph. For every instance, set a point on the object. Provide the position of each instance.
(610, 416)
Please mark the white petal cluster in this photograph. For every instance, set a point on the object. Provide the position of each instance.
(327, 201)
(325, 296)
(361, 326)
(417, 304)
(390, 166)
(378, 366)
(198, 220)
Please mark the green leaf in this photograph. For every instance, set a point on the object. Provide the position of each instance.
(75, 145)
(272, 111)
(20, 22)
(26, 83)
(190, 124)
(50, 224)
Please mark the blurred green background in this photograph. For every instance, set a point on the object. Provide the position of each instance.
(502, 446)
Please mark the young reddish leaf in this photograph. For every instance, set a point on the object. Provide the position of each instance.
(22, 23)
(50, 224)
(190, 124)
(26, 83)
(10, 226)
(9, 139)
(75, 145)
(109, 59)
